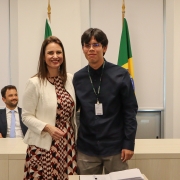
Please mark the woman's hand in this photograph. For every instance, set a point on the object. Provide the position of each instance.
(55, 132)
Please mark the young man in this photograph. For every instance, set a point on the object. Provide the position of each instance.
(11, 124)
(108, 109)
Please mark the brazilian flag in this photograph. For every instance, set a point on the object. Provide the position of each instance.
(48, 31)
(125, 55)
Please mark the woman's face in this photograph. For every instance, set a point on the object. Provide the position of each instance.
(53, 56)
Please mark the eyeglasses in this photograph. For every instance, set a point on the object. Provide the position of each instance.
(93, 45)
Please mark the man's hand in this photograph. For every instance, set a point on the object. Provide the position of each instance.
(1, 135)
(126, 155)
(55, 132)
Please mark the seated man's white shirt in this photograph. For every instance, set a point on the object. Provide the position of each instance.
(18, 130)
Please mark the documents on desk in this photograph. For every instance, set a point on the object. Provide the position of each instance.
(130, 174)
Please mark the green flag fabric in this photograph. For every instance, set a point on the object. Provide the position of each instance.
(48, 31)
(125, 55)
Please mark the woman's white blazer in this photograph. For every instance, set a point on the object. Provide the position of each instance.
(39, 108)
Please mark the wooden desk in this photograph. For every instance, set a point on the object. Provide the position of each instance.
(158, 159)
(12, 158)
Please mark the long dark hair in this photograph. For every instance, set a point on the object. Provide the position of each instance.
(42, 70)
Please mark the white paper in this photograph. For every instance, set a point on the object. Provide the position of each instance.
(130, 174)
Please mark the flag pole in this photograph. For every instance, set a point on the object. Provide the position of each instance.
(123, 11)
(49, 11)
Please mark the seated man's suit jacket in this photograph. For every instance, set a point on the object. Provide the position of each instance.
(3, 122)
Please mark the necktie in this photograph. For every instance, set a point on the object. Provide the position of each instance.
(13, 122)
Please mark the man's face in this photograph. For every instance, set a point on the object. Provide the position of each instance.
(11, 98)
(93, 51)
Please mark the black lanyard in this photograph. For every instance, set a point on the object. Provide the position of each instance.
(99, 88)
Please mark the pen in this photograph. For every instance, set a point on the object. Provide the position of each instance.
(95, 178)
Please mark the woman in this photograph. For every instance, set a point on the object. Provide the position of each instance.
(49, 114)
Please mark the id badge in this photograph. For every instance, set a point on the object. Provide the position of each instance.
(99, 109)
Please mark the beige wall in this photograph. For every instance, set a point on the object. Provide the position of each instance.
(28, 34)
(172, 70)
(4, 44)
(146, 35)
(176, 131)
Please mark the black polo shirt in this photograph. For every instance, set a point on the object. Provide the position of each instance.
(107, 134)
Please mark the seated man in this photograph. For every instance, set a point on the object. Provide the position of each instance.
(11, 124)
